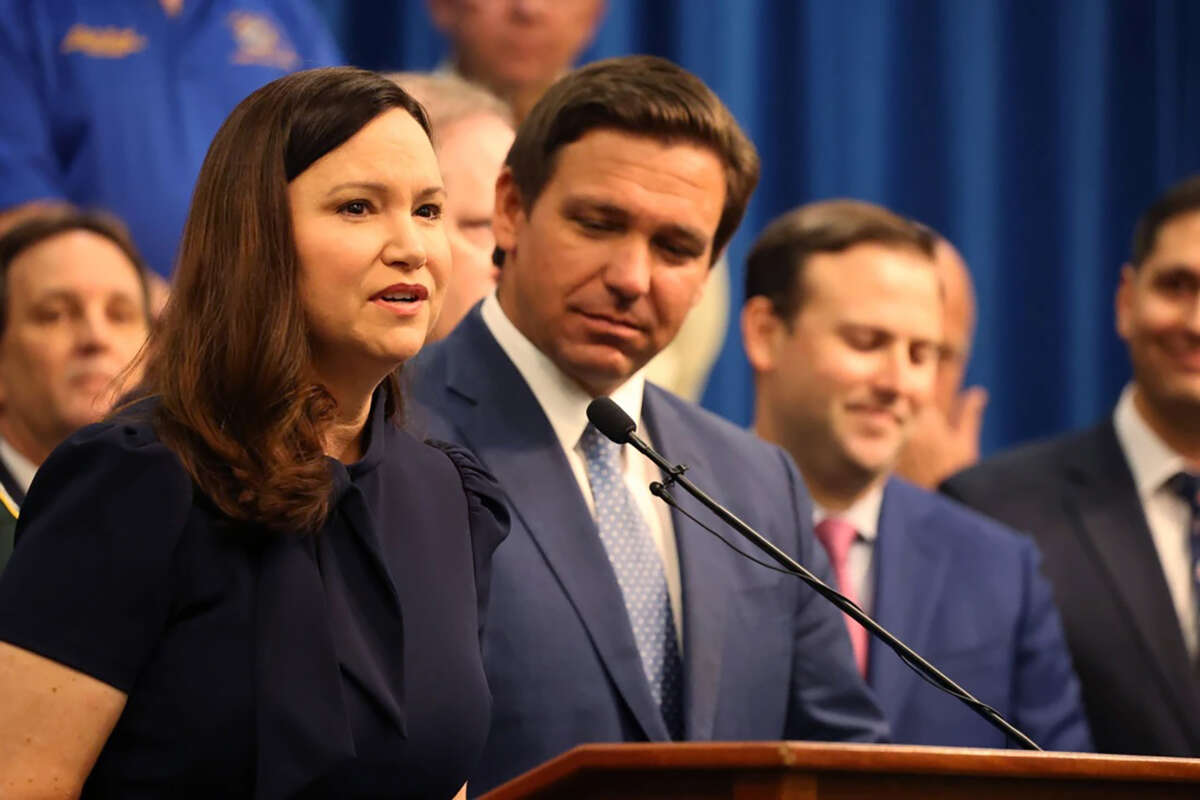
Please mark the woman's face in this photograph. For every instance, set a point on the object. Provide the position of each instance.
(373, 253)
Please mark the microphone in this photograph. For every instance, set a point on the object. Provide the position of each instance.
(615, 424)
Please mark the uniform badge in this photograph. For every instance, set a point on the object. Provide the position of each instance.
(106, 42)
(260, 42)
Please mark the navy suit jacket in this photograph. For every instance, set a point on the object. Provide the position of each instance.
(1076, 496)
(764, 656)
(966, 593)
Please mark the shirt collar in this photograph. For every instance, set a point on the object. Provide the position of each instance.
(1151, 460)
(561, 398)
(863, 514)
(20, 467)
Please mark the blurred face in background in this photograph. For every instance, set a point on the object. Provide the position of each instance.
(471, 152)
(843, 382)
(958, 324)
(510, 45)
(1158, 316)
(76, 317)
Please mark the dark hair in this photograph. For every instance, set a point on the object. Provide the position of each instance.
(57, 220)
(1182, 198)
(775, 266)
(231, 359)
(641, 95)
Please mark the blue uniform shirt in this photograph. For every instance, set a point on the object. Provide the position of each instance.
(113, 103)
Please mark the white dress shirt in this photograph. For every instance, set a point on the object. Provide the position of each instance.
(864, 516)
(20, 467)
(1152, 463)
(565, 404)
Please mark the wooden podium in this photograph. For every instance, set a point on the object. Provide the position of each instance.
(810, 771)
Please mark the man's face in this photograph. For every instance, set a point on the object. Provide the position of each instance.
(1158, 316)
(860, 359)
(471, 152)
(604, 267)
(76, 318)
(510, 44)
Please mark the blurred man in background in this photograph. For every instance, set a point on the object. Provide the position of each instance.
(112, 103)
(472, 131)
(843, 327)
(1116, 508)
(516, 48)
(945, 434)
(73, 314)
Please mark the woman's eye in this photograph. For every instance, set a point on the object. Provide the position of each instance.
(355, 208)
(429, 211)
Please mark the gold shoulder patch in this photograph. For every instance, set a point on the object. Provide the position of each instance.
(109, 42)
(9, 504)
(260, 42)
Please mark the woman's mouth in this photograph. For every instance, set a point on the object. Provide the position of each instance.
(402, 299)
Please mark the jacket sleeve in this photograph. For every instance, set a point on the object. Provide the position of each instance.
(1048, 701)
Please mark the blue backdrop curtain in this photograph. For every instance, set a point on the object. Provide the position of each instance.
(1030, 132)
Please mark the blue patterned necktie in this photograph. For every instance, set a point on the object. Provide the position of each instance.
(639, 571)
(1187, 486)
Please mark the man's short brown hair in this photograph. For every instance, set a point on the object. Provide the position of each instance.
(641, 95)
(63, 219)
(775, 266)
(1182, 198)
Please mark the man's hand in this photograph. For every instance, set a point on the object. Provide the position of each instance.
(940, 445)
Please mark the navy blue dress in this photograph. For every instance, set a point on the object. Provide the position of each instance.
(345, 664)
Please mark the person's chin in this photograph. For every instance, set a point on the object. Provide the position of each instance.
(598, 368)
(1181, 390)
(401, 345)
(873, 457)
(84, 412)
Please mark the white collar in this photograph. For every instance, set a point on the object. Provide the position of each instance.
(863, 514)
(561, 398)
(20, 467)
(1151, 460)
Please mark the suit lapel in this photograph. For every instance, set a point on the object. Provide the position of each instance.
(1103, 498)
(911, 569)
(504, 425)
(704, 567)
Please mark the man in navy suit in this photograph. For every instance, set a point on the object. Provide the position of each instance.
(1109, 507)
(842, 325)
(613, 618)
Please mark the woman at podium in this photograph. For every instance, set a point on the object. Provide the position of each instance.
(252, 582)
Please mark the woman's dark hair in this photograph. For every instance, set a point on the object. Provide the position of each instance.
(231, 359)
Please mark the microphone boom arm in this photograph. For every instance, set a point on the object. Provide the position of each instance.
(675, 475)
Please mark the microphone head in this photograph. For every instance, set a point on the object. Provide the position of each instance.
(610, 420)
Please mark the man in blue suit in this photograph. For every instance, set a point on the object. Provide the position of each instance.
(842, 325)
(611, 617)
